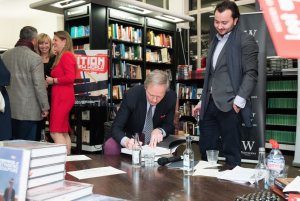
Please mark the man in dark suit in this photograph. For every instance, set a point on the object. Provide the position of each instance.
(231, 76)
(146, 109)
(9, 193)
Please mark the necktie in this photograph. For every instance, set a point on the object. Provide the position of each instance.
(149, 126)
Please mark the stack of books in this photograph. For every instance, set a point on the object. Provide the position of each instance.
(290, 71)
(121, 32)
(197, 74)
(161, 39)
(80, 31)
(159, 56)
(121, 69)
(283, 85)
(282, 103)
(281, 119)
(281, 136)
(120, 51)
(183, 72)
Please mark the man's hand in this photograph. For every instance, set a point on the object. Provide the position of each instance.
(156, 137)
(130, 142)
(197, 110)
(46, 84)
(237, 110)
(45, 113)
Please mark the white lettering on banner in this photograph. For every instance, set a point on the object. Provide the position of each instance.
(91, 63)
(275, 19)
(120, 14)
(269, 3)
(251, 32)
(248, 144)
(292, 22)
(286, 5)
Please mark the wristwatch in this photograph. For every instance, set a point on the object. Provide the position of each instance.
(162, 131)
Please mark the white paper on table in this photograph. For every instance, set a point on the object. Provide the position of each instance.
(205, 164)
(95, 172)
(77, 158)
(209, 172)
(238, 174)
(294, 186)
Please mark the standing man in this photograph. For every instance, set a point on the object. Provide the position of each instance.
(231, 77)
(27, 89)
(146, 109)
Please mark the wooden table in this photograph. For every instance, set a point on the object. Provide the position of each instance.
(155, 183)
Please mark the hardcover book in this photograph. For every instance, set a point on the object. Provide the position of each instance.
(14, 167)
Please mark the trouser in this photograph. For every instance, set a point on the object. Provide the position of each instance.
(225, 124)
(23, 130)
(111, 147)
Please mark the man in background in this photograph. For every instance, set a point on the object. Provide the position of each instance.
(27, 89)
(231, 76)
(147, 110)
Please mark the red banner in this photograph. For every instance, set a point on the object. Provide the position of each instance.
(283, 20)
(97, 63)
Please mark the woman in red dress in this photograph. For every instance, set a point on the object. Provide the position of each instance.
(62, 81)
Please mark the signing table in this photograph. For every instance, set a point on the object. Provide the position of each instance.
(155, 183)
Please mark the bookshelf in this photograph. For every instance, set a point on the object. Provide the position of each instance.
(281, 110)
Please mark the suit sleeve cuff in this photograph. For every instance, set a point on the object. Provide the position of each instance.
(163, 132)
(123, 140)
(239, 101)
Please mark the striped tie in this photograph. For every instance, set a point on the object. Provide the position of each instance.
(149, 126)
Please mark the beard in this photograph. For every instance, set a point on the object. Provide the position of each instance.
(227, 31)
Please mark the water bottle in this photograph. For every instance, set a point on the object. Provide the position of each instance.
(275, 162)
(188, 158)
(136, 152)
(261, 169)
(42, 135)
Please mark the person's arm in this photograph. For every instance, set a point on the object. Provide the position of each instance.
(68, 62)
(37, 73)
(4, 75)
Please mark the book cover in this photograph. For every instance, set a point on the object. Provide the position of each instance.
(87, 30)
(281, 183)
(115, 92)
(127, 52)
(148, 37)
(47, 179)
(133, 69)
(118, 51)
(73, 32)
(37, 149)
(62, 190)
(81, 31)
(14, 167)
(109, 31)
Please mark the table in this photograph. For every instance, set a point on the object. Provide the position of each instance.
(155, 183)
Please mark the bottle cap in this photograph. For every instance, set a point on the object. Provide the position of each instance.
(188, 138)
(261, 149)
(274, 143)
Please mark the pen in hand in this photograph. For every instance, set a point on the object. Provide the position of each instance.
(138, 143)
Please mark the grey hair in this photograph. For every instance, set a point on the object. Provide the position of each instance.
(28, 33)
(157, 78)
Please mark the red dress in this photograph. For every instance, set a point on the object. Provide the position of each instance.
(63, 97)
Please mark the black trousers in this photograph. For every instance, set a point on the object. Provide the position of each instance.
(225, 124)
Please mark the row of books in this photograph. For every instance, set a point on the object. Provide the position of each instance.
(283, 85)
(189, 127)
(281, 136)
(188, 92)
(119, 90)
(166, 70)
(159, 56)
(185, 72)
(282, 102)
(281, 119)
(80, 31)
(121, 32)
(276, 64)
(90, 101)
(120, 51)
(186, 109)
(81, 47)
(161, 40)
(121, 69)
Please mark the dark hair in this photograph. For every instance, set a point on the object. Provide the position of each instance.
(230, 5)
(28, 33)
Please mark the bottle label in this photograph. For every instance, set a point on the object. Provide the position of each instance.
(186, 162)
(275, 164)
(136, 156)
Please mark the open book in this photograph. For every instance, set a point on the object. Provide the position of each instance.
(167, 146)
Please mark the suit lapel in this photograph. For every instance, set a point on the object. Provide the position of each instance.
(142, 109)
(220, 56)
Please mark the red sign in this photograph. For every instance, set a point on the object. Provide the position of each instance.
(294, 197)
(283, 21)
(97, 63)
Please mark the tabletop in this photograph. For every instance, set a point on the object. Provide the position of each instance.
(157, 183)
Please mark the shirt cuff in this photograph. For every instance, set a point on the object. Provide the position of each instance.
(163, 131)
(123, 140)
(200, 102)
(239, 101)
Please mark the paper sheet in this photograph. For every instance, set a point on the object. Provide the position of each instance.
(205, 164)
(238, 174)
(294, 186)
(95, 172)
(77, 158)
(209, 172)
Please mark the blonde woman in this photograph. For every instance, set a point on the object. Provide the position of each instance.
(62, 81)
(44, 48)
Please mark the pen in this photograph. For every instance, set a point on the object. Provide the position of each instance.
(223, 170)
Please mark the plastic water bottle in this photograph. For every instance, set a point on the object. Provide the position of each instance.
(42, 135)
(136, 152)
(261, 169)
(188, 158)
(275, 162)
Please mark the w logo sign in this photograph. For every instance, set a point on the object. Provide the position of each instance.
(248, 144)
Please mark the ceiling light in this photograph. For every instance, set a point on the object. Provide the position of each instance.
(169, 18)
(67, 3)
(135, 9)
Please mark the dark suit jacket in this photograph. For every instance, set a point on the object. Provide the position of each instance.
(131, 116)
(5, 196)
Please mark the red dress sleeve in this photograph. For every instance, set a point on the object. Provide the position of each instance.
(68, 63)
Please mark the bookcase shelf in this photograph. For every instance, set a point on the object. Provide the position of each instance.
(128, 60)
(158, 47)
(126, 42)
(159, 64)
(83, 37)
(77, 18)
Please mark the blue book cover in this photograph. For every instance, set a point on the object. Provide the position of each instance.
(122, 50)
(81, 31)
(14, 169)
(73, 32)
(87, 30)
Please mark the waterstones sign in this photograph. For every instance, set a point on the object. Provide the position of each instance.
(74, 12)
(120, 15)
(161, 24)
